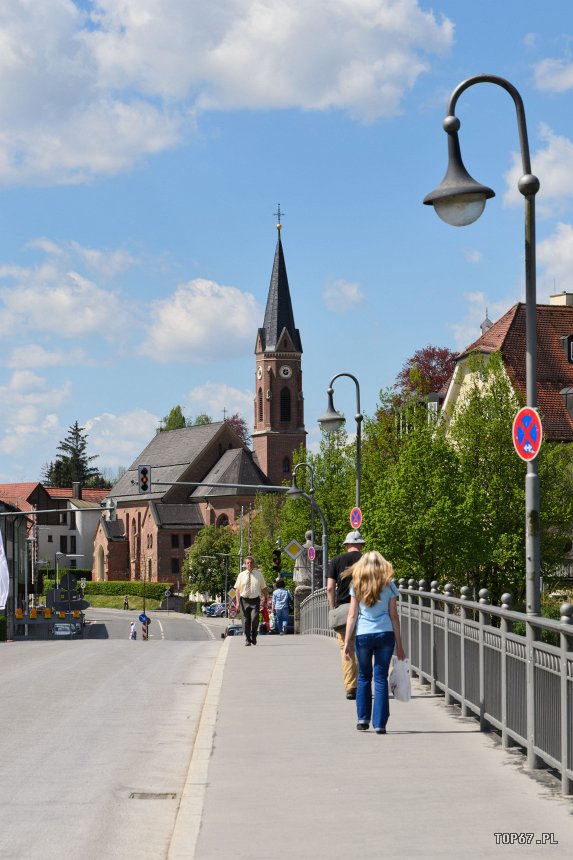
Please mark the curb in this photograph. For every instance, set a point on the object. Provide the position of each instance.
(188, 820)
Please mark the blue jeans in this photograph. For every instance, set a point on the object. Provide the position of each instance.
(377, 647)
(282, 619)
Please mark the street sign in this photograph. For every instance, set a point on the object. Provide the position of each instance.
(355, 518)
(311, 553)
(167, 593)
(527, 433)
(294, 549)
(144, 618)
(232, 593)
(286, 575)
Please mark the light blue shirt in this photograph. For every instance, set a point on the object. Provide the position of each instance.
(376, 618)
(280, 598)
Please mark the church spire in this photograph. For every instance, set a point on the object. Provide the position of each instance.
(278, 313)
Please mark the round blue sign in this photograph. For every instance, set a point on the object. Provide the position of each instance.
(144, 618)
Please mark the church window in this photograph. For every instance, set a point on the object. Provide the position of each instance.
(286, 465)
(285, 404)
(174, 565)
(260, 404)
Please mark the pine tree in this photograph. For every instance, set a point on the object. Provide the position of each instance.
(73, 464)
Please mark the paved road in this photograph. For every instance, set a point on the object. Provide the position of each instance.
(115, 624)
(96, 741)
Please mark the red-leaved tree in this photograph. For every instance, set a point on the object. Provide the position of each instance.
(426, 371)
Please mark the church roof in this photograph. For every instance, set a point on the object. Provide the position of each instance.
(178, 516)
(278, 314)
(169, 454)
(236, 466)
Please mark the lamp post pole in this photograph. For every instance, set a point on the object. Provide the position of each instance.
(460, 200)
(311, 493)
(333, 420)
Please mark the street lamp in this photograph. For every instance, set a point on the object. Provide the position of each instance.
(460, 200)
(311, 494)
(332, 421)
(294, 492)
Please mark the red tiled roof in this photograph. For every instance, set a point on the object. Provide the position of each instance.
(554, 372)
(67, 493)
(18, 494)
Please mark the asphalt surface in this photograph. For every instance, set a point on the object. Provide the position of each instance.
(279, 770)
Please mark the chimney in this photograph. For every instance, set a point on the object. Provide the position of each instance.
(563, 299)
(76, 490)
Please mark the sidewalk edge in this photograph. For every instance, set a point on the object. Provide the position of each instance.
(188, 820)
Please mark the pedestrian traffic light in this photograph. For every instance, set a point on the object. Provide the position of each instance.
(277, 561)
(144, 478)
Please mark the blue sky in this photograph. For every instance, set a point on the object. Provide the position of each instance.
(145, 145)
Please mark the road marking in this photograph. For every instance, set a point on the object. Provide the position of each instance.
(188, 822)
(205, 627)
(161, 628)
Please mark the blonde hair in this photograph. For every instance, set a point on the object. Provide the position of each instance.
(370, 575)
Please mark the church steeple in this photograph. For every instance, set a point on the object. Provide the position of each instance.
(279, 402)
(278, 313)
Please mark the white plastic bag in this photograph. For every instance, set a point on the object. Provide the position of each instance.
(399, 679)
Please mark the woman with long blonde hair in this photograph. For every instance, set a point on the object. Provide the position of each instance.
(374, 612)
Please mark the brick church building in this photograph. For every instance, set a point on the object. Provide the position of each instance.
(150, 534)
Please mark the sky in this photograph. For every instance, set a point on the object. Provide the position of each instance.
(145, 146)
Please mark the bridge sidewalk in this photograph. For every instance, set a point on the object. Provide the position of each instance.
(280, 771)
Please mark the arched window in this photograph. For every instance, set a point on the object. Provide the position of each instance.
(223, 520)
(260, 396)
(286, 465)
(285, 404)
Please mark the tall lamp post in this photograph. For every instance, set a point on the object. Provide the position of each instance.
(332, 421)
(459, 200)
(311, 494)
(294, 492)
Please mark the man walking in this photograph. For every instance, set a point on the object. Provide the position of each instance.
(250, 586)
(337, 593)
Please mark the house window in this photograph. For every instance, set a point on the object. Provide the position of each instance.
(73, 562)
(174, 541)
(72, 544)
(260, 398)
(62, 518)
(186, 541)
(285, 404)
(64, 544)
(72, 519)
(50, 538)
(174, 565)
(286, 465)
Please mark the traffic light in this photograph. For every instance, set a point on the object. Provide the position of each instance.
(144, 478)
(277, 561)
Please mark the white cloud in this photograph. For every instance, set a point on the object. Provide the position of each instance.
(342, 296)
(213, 398)
(553, 76)
(34, 355)
(47, 299)
(468, 330)
(553, 165)
(473, 256)
(555, 256)
(202, 321)
(27, 410)
(91, 93)
(118, 439)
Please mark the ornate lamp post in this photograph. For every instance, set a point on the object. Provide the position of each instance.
(332, 421)
(296, 493)
(311, 494)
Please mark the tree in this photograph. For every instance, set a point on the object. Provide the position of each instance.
(74, 463)
(203, 418)
(204, 564)
(426, 371)
(239, 425)
(175, 420)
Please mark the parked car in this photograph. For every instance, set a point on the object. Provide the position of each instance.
(66, 630)
(232, 630)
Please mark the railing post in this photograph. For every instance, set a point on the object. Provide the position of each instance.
(412, 585)
(465, 594)
(422, 602)
(434, 589)
(484, 620)
(567, 622)
(449, 592)
(530, 640)
(506, 626)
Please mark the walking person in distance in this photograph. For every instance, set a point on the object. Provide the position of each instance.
(250, 587)
(374, 613)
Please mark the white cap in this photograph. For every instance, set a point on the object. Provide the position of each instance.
(353, 538)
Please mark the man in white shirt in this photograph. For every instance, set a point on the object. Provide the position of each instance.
(250, 586)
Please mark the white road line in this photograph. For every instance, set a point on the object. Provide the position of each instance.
(205, 627)
(161, 628)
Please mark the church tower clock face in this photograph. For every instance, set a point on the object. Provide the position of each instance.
(285, 372)
(260, 373)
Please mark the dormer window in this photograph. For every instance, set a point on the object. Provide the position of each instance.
(567, 395)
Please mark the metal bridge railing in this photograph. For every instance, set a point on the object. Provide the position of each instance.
(509, 679)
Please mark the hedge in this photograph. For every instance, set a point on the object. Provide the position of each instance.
(153, 590)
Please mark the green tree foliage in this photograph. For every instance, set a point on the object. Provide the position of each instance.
(203, 418)
(175, 420)
(204, 565)
(73, 464)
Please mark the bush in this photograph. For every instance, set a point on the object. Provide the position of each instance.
(153, 590)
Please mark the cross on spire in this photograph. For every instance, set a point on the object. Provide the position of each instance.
(278, 214)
